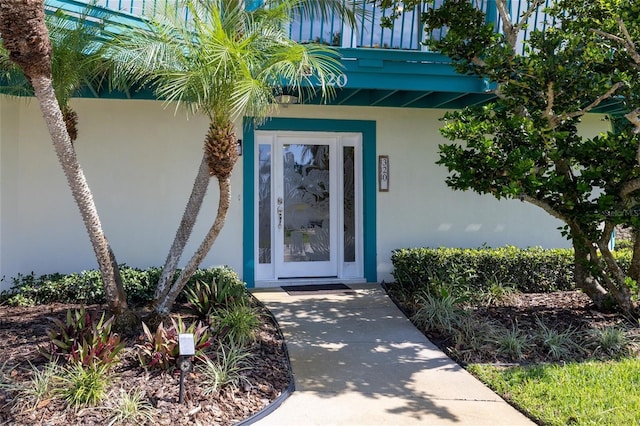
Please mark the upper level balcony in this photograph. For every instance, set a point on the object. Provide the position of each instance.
(381, 66)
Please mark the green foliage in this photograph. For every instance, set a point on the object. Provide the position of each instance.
(497, 293)
(440, 311)
(512, 343)
(132, 408)
(227, 370)
(612, 342)
(236, 323)
(167, 56)
(82, 386)
(160, 349)
(86, 287)
(472, 338)
(585, 393)
(558, 345)
(40, 386)
(531, 270)
(526, 144)
(83, 339)
(223, 290)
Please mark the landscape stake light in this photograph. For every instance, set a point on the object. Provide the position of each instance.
(187, 349)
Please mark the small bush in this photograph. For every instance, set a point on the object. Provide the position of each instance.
(611, 342)
(227, 370)
(82, 386)
(440, 312)
(512, 343)
(497, 293)
(83, 339)
(204, 298)
(558, 345)
(86, 287)
(472, 339)
(160, 349)
(39, 387)
(236, 323)
(132, 408)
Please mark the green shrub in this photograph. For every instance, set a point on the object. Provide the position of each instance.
(160, 349)
(496, 294)
(83, 339)
(531, 270)
(235, 323)
(203, 298)
(227, 370)
(438, 311)
(558, 345)
(86, 287)
(39, 387)
(228, 287)
(132, 408)
(512, 343)
(82, 386)
(611, 342)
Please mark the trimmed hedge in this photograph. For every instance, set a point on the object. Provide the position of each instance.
(531, 270)
(86, 287)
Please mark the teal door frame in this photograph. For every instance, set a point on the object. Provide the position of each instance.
(369, 176)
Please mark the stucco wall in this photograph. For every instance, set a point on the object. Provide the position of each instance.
(420, 210)
(140, 161)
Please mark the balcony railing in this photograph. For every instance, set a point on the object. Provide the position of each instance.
(406, 33)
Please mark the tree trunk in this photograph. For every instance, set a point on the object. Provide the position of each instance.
(583, 277)
(165, 305)
(634, 268)
(81, 193)
(189, 217)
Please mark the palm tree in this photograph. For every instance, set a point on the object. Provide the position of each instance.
(25, 38)
(225, 62)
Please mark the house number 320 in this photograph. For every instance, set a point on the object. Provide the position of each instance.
(336, 80)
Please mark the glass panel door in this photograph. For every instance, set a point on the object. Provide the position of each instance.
(306, 206)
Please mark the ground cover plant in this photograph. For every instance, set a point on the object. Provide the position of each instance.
(546, 352)
(64, 364)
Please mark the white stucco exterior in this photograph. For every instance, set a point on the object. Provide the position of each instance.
(140, 160)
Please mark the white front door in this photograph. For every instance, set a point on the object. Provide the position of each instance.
(309, 204)
(306, 196)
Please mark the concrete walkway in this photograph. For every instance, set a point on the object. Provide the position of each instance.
(357, 360)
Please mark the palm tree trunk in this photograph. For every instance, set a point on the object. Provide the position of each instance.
(164, 306)
(114, 292)
(189, 217)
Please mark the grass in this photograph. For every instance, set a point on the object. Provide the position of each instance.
(227, 370)
(590, 393)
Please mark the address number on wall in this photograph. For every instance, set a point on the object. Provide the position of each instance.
(336, 80)
(383, 173)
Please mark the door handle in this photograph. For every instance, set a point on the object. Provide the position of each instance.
(280, 212)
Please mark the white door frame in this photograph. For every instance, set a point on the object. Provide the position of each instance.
(269, 271)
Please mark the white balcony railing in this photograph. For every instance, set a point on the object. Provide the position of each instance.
(407, 32)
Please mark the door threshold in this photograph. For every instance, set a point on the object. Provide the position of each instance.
(307, 281)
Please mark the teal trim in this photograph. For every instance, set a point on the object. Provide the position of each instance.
(369, 171)
(248, 189)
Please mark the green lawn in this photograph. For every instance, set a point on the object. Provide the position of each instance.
(588, 393)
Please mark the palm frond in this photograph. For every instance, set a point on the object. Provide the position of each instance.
(76, 41)
(224, 61)
(12, 80)
(352, 11)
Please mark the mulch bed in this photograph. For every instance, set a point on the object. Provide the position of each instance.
(23, 329)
